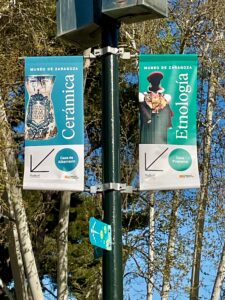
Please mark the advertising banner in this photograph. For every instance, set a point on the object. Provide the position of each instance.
(167, 98)
(54, 138)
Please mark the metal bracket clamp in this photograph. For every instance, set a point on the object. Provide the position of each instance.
(105, 50)
(112, 186)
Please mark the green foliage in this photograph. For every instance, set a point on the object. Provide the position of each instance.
(84, 270)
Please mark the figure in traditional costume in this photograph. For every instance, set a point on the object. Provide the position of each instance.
(155, 112)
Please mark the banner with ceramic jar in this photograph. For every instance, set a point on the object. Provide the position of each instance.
(167, 99)
(54, 138)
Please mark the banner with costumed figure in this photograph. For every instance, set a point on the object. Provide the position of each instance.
(54, 135)
(167, 98)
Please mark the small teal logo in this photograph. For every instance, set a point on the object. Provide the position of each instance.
(66, 160)
(180, 159)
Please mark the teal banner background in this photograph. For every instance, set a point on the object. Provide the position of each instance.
(180, 82)
(61, 67)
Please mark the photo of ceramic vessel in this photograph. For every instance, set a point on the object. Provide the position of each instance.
(40, 123)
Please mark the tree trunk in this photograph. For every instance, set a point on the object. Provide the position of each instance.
(16, 260)
(17, 265)
(150, 284)
(170, 247)
(87, 63)
(203, 194)
(17, 204)
(25, 244)
(219, 277)
(62, 271)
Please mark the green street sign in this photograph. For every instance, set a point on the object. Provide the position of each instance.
(100, 234)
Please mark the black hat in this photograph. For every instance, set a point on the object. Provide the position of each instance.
(155, 78)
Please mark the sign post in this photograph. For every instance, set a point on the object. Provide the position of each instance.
(112, 260)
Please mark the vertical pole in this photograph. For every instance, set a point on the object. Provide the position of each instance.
(112, 260)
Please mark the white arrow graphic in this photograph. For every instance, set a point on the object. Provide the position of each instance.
(93, 231)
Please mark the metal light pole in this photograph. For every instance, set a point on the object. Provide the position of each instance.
(112, 260)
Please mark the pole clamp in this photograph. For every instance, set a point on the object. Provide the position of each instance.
(105, 50)
(111, 186)
(112, 50)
